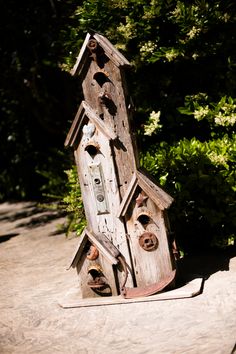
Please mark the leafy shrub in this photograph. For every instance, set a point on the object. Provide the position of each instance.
(73, 203)
(201, 178)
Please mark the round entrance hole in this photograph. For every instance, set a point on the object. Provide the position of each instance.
(92, 150)
(144, 219)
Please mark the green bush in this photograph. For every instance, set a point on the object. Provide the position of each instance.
(73, 203)
(201, 178)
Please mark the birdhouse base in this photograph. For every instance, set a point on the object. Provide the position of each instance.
(74, 299)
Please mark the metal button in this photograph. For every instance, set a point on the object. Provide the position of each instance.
(100, 197)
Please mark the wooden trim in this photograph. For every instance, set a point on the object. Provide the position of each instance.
(113, 54)
(75, 127)
(190, 289)
(83, 238)
(81, 59)
(86, 110)
(128, 197)
(156, 193)
(98, 122)
(105, 246)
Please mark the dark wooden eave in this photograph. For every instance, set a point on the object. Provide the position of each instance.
(153, 191)
(86, 111)
(103, 244)
(111, 52)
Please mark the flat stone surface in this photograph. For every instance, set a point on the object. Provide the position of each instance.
(34, 256)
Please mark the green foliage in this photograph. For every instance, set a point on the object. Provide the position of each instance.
(73, 203)
(183, 84)
(201, 177)
(222, 113)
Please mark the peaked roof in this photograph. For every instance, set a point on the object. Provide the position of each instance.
(111, 52)
(103, 244)
(145, 182)
(86, 111)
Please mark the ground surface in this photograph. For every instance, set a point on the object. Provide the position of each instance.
(33, 261)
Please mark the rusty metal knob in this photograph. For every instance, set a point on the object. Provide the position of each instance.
(93, 253)
(92, 45)
(148, 241)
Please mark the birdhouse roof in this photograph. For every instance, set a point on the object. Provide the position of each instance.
(111, 52)
(153, 191)
(86, 111)
(103, 244)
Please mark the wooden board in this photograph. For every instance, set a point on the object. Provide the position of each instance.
(73, 299)
(149, 266)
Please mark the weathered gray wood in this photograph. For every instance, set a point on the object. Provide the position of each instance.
(84, 277)
(128, 196)
(108, 167)
(82, 57)
(150, 266)
(115, 56)
(116, 118)
(98, 122)
(86, 111)
(159, 196)
(73, 298)
(72, 136)
(105, 246)
(79, 250)
(106, 223)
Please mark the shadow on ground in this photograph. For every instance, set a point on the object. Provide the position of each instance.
(41, 220)
(205, 263)
(7, 237)
(30, 216)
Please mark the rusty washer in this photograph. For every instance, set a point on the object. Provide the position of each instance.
(93, 253)
(92, 45)
(148, 241)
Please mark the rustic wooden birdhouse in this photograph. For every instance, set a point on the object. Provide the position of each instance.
(126, 247)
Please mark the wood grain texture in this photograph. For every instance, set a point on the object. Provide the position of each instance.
(149, 266)
(108, 167)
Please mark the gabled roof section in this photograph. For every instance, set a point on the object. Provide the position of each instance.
(156, 193)
(75, 127)
(103, 244)
(111, 52)
(153, 191)
(86, 111)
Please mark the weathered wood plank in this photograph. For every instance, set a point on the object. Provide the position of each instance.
(193, 288)
(85, 277)
(82, 57)
(105, 246)
(108, 167)
(115, 56)
(79, 250)
(106, 223)
(149, 266)
(127, 197)
(75, 128)
(98, 122)
(159, 196)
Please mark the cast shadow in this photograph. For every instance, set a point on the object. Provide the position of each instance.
(6, 237)
(204, 263)
(41, 220)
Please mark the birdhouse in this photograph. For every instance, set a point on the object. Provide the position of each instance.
(126, 248)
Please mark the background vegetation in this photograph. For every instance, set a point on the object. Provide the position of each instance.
(183, 82)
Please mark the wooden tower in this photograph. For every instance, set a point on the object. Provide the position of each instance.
(126, 247)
